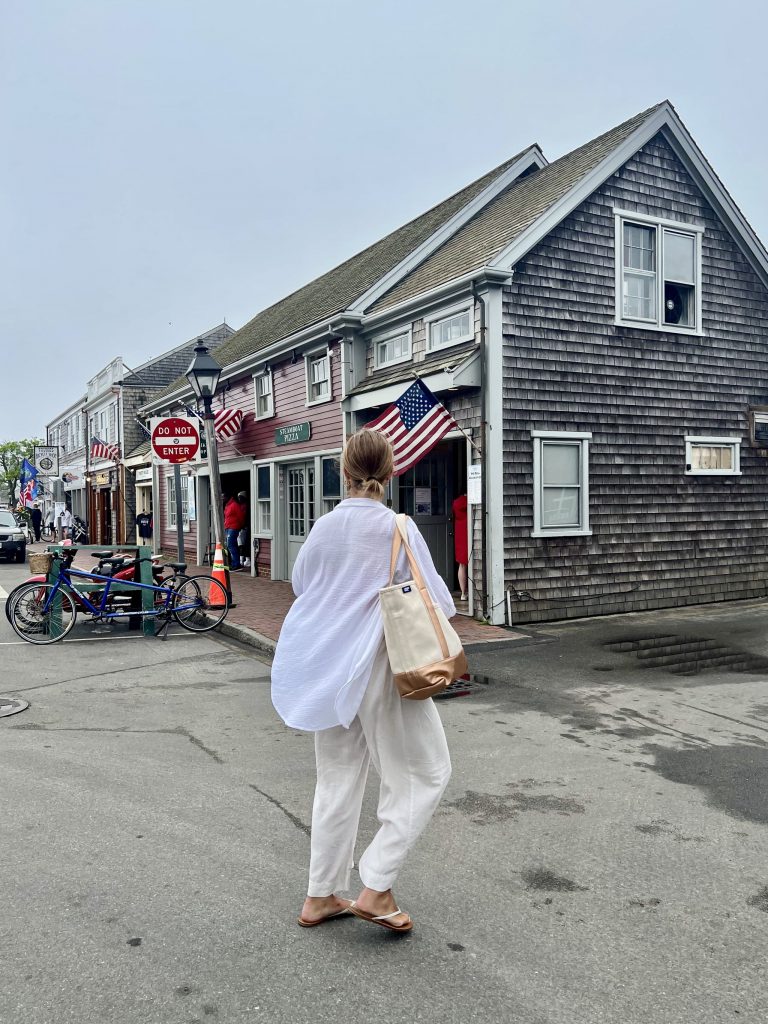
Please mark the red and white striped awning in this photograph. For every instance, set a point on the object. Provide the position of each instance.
(227, 422)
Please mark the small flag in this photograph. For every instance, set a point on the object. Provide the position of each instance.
(27, 484)
(192, 412)
(227, 422)
(414, 424)
(143, 429)
(101, 450)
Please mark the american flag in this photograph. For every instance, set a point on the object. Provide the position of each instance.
(414, 424)
(227, 422)
(101, 450)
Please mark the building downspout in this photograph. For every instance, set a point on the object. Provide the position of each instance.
(484, 448)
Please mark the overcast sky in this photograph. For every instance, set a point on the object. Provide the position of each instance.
(168, 164)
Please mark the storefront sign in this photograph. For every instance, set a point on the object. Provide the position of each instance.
(422, 499)
(46, 460)
(144, 475)
(175, 439)
(475, 485)
(103, 479)
(73, 477)
(293, 434)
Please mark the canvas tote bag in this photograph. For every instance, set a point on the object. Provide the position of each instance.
(425, 653)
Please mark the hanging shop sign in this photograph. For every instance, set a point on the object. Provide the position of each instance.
(144, 475)
(175, 439)
(293, 434)
(475, 485)
(73, 477)
(103, 479)
(46, 460)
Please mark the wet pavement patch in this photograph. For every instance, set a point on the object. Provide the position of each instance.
(759, 900)
(733, 778)
(485, 808)
(547, 881)
(687, 655)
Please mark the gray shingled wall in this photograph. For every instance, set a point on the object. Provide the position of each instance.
(659, 538)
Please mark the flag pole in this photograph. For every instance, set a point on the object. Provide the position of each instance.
(460, 429)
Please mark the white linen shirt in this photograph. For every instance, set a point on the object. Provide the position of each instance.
(332, 632)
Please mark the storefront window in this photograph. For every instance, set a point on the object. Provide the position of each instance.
(331, 484)
(171, 490)
(264, 499)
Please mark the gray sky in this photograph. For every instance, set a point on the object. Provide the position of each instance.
(170, 163)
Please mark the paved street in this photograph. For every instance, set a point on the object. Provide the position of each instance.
(600, 855)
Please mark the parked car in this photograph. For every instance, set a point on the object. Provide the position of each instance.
(13, 538)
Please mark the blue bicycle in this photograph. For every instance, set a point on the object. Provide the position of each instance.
(44, 613)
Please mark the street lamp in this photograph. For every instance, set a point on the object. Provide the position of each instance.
(203, 375)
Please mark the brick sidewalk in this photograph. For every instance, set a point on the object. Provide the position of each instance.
(261, 605)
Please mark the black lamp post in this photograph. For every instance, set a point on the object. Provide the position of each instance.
(203, 375)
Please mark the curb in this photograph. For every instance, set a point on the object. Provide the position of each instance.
(248, 636)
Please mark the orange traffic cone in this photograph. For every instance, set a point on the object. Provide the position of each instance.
(220, 574)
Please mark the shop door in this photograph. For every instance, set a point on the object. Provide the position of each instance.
(426, 494)
(300, 480)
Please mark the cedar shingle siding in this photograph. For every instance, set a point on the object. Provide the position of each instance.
(659, 538)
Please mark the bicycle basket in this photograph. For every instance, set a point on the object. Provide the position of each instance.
(40, 562)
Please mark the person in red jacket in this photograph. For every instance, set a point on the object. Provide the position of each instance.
(235, 518)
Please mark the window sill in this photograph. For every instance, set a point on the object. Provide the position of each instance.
(265, 416)
(712, 472)
(561, 533)
(318, 401)
(645, 325)
(392, 362)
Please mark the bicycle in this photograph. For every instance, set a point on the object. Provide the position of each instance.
(45, 613)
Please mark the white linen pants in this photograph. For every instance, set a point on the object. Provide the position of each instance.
(406, 742)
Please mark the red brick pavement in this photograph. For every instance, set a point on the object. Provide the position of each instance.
(262, 605)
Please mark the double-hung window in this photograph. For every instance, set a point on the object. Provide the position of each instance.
(318, 378)
(265, 405)
(264, 501)
(331, 483)
(449, 328)
(658, 274)
(560, 483)
(171, 492)
(392, 348)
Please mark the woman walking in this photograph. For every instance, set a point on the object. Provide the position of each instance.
(331, 676)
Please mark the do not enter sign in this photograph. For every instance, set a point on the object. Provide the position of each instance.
(175, 439)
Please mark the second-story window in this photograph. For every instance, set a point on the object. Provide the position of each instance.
(318, 378)
(265, 405)
(392, 348)
(450, 330)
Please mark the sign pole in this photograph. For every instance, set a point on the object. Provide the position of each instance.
(179, 523)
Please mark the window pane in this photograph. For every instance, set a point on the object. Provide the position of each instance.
(560, 463)
(262, 484)
(560, 506)
(679, 253)
(711, 456)
(451, 329)
(640, 296)
(639, 247)
(331, 479)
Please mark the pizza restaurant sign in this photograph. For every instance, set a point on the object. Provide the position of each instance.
(293, 434)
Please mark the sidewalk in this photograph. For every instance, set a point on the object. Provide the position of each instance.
(261, 605)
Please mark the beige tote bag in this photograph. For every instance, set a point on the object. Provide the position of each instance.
(425, 653)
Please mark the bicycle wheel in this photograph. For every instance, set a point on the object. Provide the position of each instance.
(40, 619)
(199, 603)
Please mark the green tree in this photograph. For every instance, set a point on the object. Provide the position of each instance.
(12, 454)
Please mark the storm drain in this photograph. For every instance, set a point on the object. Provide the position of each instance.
(688, 655)
(463, 687)
(12, 706)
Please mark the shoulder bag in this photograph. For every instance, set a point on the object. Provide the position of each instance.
(425, 653)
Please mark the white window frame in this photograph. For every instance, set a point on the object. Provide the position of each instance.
(380, 339)
(170, 510)
(581, 438)
(312, 357)
(622, 217)
(259, 531)
(271, 407)
(734, 443)
(448, 314)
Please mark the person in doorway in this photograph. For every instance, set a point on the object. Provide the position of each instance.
(331, 676)
(235, 518)
(37, 520)
(242, 547)
(65, 525)
(461, 554)
(50, 527)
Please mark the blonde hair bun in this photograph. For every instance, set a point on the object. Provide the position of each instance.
(368, 462)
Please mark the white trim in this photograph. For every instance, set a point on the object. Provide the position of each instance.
(582, 439)
(315, 356)
(465, 375)
(458, 309)
(622, 217)
(493, 513)
(395, 332)
(256, 532)
(723, 442)
(458, 289)
(691, 156)
(256, 377)
(532, 157)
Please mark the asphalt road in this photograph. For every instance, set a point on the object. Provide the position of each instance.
(600, 855)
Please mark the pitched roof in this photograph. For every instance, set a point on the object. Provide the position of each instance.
(160, 371)
(504, 218)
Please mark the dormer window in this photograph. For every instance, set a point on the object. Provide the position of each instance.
(449, 328)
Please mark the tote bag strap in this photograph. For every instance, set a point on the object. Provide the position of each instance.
(399, 540)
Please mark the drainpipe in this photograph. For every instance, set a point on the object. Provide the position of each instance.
(484, 444)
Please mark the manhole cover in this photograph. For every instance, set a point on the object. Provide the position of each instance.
(11, 706)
